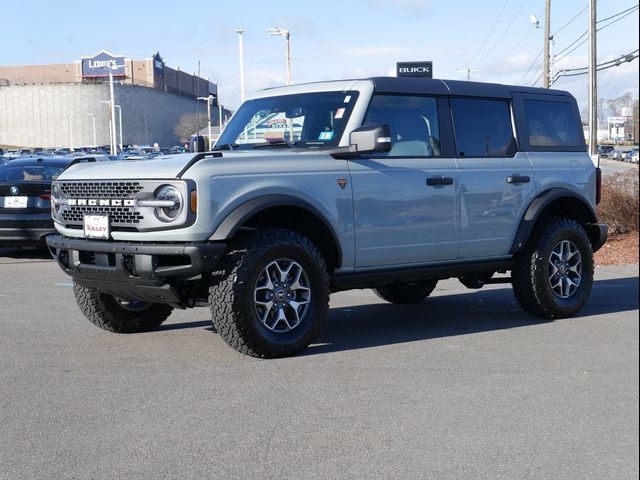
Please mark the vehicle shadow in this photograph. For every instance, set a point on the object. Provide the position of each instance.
(365, 326)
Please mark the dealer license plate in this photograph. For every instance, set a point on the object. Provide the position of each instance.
(15, 202)
(96, 225)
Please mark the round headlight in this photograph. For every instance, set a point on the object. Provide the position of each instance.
(170, 193)
(56, 191)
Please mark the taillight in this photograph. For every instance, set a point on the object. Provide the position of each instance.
(45, 196)
(598, 185)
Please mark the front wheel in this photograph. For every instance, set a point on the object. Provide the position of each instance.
(553, 276)
(272, 294)
(118, 315)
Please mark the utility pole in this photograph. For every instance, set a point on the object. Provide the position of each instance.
(593, 82)
(547, 37)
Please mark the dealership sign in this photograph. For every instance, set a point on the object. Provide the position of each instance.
(414, 69)
(102, 64)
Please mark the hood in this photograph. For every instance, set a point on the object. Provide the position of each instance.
(168, 166)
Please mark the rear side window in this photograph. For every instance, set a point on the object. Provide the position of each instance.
(482, 128)
(551, 124)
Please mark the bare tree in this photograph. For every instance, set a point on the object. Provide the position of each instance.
(188, 125)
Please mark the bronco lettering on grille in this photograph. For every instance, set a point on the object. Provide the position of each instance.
(91, 202)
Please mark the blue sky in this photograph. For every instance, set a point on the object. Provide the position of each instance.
(330, 39)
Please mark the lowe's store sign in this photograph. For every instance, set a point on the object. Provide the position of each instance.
(103, 63)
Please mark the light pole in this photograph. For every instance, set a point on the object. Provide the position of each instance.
(240, 33)
(593, 82)
(71, 133)
(113, 115)
(111, 139)
(287, 36)
(208, 99)
(120, 124)
(95, 141)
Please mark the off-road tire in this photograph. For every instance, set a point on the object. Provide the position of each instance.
(231, 293)
(406, 292)
(105, 312)
(530, 276)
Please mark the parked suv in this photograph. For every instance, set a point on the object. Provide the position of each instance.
(384, 183)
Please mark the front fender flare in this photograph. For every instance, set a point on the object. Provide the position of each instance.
(234, 220)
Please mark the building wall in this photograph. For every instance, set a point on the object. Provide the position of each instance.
(138, 72)
(56, 115)
(59, 73)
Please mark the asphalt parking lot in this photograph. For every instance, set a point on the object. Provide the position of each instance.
(462, 386)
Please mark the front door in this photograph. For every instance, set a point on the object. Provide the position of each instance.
(405, 202)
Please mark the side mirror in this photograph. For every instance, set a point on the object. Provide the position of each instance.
(370, 139)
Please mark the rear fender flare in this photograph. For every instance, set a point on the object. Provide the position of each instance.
(538, 206)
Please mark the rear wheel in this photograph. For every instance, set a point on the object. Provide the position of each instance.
(406, 292)
(119, 315)
(553, 276)
(272, 294)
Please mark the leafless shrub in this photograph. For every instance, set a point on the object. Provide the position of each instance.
(619, 205)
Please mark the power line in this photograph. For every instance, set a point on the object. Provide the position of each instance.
(626, 13)
(574, 72)
(490, 32)
(619, 13)
(570, 21)
(513, 19)
(531, 66)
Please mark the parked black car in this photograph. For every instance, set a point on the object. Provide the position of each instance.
(25, 199)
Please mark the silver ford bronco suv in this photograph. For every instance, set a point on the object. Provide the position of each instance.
(383, 183)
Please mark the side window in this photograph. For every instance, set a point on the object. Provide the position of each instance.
(413, 121)
(551, 124)
(482, 128)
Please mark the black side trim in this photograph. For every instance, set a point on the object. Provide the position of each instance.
(232, 222)
(537, 207)
(371, 278)
(196, 159)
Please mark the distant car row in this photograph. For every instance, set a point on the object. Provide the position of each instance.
(127, 153)
(623, 154)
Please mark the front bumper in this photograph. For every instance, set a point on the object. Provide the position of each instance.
(140, 271)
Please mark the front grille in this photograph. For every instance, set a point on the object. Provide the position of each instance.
(117, 215)
(120, 189)
(120, 199)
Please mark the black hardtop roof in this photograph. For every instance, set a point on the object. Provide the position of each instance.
(433, 86)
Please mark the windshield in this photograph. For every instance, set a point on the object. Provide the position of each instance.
(304, 120)
(28, 173)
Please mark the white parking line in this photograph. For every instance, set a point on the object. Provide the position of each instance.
(63, 284)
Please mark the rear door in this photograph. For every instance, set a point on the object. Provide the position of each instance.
(496, 181)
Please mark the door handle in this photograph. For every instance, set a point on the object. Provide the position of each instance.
(434, 181)
(518, 179)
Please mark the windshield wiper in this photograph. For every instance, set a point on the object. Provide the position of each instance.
(281, 143)
(225, 146)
